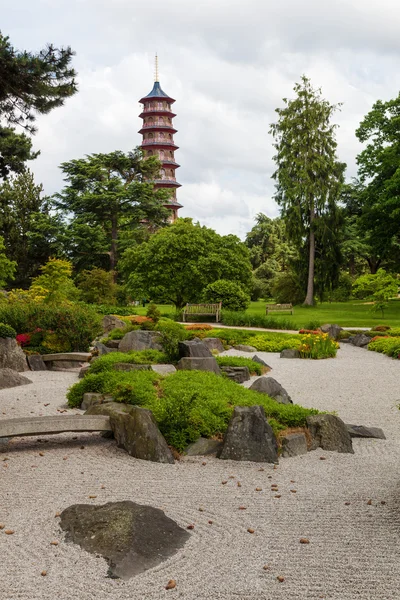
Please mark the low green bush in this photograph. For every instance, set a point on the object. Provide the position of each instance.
(244, 319)
(71, 326)
(230, 293)
(142, 357)
(171, 334)
(237, 361)
(265, 344)
(6, 331)
(389, 346)
(109, 309)
(187, 405)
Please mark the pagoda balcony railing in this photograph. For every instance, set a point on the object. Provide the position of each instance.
(157, 106)
(159, 124)
(158, 141)
(164, 179)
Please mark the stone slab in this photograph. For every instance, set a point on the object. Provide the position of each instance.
(294, 444)
(36, 362)
(70, 356)
(199, 364)
(52, 424)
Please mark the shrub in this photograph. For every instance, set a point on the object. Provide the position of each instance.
(387, 345)
(237, 361)
(381, 328)
(54, 285)
(244, 319)
(153, 313)
(379, 286)
(318, 346)
(265, 344)
(343, 291)
(312, 325)
(142, 357)
(171, 334)
(75, 325)
(6, 331)
(118, 311)
(286, 288)
(198, 327)
(97, 286)
(230, 293)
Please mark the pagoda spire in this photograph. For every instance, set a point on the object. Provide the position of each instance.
(158, 139)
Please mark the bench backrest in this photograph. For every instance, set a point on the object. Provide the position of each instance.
(279, 306)
(205, 309)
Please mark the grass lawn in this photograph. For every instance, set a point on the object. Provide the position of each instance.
(347, 314)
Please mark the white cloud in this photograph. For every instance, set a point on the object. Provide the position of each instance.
(228, 63)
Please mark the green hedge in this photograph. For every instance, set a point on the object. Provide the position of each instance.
(263, 342)
(6, 331)
(187, 405)
(388, 346)
(255, 368)
(244, 319)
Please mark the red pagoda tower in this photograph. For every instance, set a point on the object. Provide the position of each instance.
(158, 139)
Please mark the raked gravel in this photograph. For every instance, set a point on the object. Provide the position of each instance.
(354, 549)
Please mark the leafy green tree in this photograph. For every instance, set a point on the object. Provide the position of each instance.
(55, 284)
(97, 287)
(374, 286)
(113, 192)
(31, 231)
(308, 175)
(7, 267)
(30, 84)
(178, 262)
(379, 174)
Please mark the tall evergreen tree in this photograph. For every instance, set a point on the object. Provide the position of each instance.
(114, 192)
(308, 175)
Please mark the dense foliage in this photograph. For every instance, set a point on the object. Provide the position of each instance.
(187, 405)
(230, 293)
(6, 331)
(143, 357)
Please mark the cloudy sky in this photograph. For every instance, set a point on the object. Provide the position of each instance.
(228, 63)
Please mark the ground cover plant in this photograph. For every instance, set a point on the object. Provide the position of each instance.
(318, 345)
(187, 405)
(387, 345)
(141, 357)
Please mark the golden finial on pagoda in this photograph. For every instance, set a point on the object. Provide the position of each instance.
(156, 69)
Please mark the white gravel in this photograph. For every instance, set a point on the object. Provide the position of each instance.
(354, 550)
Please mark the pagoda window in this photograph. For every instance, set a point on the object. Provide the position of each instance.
(162, 173)
(150, 136)
(162, 135)
(162, 155)
(150, 120)
(171, 155)
(170, 136)
(149, 152)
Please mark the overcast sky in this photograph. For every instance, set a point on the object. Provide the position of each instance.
(228, 64)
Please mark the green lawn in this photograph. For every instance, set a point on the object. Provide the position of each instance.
(347, 314)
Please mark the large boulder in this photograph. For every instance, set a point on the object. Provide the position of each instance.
(271, 387)
(360, 340)
(249, 437)
(332, 330)
(12, 355)
(194, 349)
(199, 364)
(140, 340)
(111, 322)
(136, 430)
(214, 344)
(329, 433)
(131, 537)
(103, 349)
(260, 361)
(10, 379)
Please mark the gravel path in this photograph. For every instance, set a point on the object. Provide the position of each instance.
(354, 549)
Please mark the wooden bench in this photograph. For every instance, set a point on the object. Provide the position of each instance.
(203, 310)
(52, 424)
(279, 308)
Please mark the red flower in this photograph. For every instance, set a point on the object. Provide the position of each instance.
(23, 339)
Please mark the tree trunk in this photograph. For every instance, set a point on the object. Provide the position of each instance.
(373, 264)
(309, 301)
(113, 251)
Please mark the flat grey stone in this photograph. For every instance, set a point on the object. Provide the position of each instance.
(271, 387)
(244, 348)
(130, 367)
(214, 344)
(194, 349)
(103, 349)
(332, 330)
(294, 444)
(249, 437)
(289, 353)
(360, 431)
(131, 537)
(238, 374)
(10, 379)
(84, 369)
(360, 340)
(163, 369)
(329, 433)
(203, 447)
(140, 340)
(199, 364)
(36, 362)
(112, 343)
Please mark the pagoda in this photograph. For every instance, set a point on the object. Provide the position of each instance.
(158, 139)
